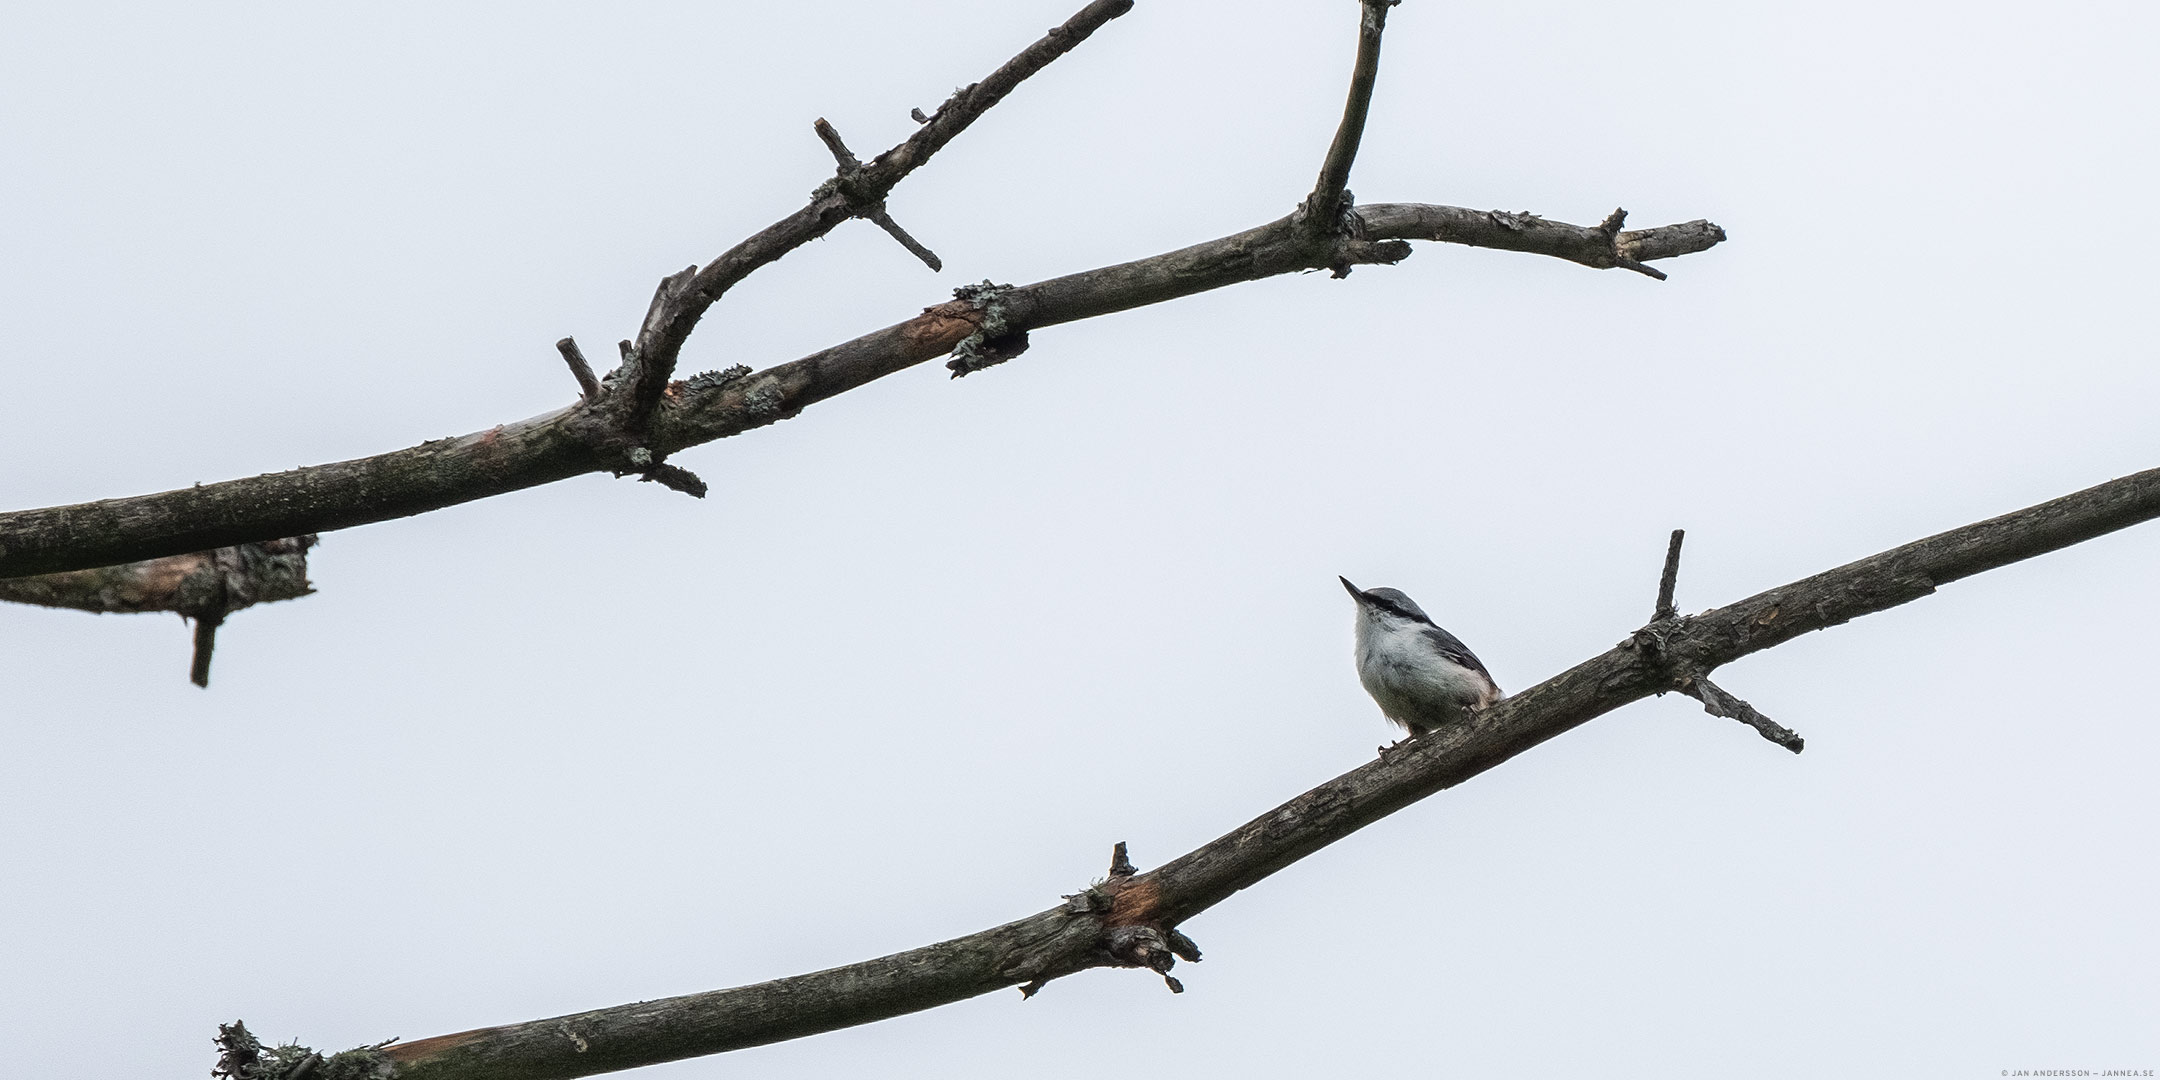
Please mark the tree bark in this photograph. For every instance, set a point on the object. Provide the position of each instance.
(1132, 919)
(562, 444)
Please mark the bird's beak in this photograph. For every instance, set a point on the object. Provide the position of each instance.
(1354, 593)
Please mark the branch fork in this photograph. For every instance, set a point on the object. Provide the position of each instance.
(1688, 677)
(611, 420)
(1621, 256)
(860, 203)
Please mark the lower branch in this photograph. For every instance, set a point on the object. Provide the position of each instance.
(1131, 918)
(205, 586)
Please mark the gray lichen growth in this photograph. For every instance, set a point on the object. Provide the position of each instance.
(710, 381)
(995, 340)
(241, 1056)
(763, 401)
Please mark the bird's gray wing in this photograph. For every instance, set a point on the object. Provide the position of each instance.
(1452, 647)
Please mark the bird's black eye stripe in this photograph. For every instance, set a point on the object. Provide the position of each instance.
(1395, 609)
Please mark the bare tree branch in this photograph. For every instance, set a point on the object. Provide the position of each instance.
(631, 421)
(1322, 212)
(605, 432)
(550, 447)
(205, 586)
(1131, 919)
(857, 192)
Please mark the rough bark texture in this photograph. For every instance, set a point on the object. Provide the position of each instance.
(605, 432)
(561, 444)
(205, 586)
(1119, 922)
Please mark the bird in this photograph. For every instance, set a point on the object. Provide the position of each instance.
(1422, 677)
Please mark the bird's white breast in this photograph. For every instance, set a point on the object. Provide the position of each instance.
(1414, 684)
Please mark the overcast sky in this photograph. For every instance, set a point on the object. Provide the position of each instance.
(899, 677)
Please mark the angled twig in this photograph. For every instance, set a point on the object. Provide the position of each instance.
(588, 385)
(1717, 702)
(1322, 212)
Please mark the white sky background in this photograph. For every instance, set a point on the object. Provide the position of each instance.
(931, 647)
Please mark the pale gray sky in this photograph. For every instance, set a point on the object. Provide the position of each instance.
(599, 742)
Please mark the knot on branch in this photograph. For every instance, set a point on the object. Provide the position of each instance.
(1621, 256)
(862, 198)
(995, 340)
(651, 468)
(1672, 668)
(241, 1056)
(616, 412)
(1132, 933)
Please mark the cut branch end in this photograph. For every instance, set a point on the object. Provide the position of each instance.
(588, 384)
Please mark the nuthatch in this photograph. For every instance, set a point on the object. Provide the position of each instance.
(1422, 676)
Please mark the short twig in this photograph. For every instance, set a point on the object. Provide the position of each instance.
(846, 158)
(892, 228)
(1620, 257)
(206, 626)
(675, 478)
(588, 385)
(1717, 702)
(1669, 580)
(1121, 864)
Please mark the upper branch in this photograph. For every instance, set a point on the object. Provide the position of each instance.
(554, 446)
(677, 309)
(1096, 928)
(205, 586)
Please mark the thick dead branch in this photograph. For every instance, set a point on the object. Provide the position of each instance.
(205, 586)
(547, 448)
(1133, 911)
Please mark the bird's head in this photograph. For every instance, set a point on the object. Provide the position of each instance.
(1384, 601)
